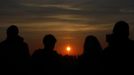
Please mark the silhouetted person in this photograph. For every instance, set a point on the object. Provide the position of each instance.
(69, 65)
(119, 53)
(90, 60)
(45, 61)
(14, 52)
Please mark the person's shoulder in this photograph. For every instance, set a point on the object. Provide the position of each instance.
(25, 44)
(21, 39)
(131, 42)
(107, 50)
(38, 52)
(54, 52)
(3, 42)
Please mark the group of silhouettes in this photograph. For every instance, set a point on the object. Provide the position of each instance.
(116, 58)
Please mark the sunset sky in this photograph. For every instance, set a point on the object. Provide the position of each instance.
(70, 21)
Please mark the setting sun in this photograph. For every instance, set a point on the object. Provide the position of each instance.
(68, 48)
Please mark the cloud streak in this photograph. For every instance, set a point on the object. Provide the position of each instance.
(73, 12)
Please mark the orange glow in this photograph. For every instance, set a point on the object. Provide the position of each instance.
(68, 48)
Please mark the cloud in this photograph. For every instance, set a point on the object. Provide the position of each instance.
(94, 12)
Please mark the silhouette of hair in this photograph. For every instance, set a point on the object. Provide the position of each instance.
(49, 41)
(12, 30)
(119, 50)
(121, 28)
(91, 45)
(46, 60)
(90, 61)
(15, 50)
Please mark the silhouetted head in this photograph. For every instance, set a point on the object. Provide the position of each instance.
(121, 29)
(49, 42)
(12, 31)
(91, 45)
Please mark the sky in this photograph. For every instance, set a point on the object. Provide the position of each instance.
(70, 21)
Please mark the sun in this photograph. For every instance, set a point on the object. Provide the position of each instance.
(68, 48)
